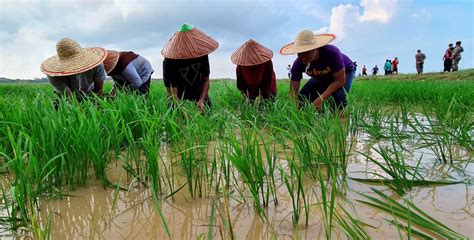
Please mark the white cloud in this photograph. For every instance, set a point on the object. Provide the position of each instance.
(377, 10)
(371, 30)
(31, 28)
(346, 17)
(22, 52)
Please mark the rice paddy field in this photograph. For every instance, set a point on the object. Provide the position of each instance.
(397, 164)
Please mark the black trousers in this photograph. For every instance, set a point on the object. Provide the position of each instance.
(447, 65)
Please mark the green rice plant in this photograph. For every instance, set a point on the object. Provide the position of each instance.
(401, 176)
(22, 202)
(328, 203)
(332, 148)
(411, 214)
(211, 221)
(246, 156)
(352, 227)
(435, 136)
(193, 150)
(374, 122)
(227, 231)
(397, 173)
(294, 184)
(458, 122)
(151, 151)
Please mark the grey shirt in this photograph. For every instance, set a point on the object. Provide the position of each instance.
(81, 82)
(420, 57)
(457, 52)
(136, 73)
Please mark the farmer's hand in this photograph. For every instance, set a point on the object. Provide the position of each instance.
(113, 91)
(200, 105)
(318, 103)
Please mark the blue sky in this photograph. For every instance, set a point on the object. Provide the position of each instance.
(368, 31)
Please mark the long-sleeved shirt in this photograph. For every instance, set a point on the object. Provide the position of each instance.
(457, 52)
(137, 72)
(448, 53)
(257, 80)
(420, 57)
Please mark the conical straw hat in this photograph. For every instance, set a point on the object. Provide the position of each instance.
(306, 40)
(189, 42)
(111, 60)
(251, 53)
(72, 59)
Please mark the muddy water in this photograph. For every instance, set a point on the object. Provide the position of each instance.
(98, 213)
(90, 214)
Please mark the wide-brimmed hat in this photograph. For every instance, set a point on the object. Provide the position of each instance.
(111, 60)
(189, 42)
(306, 40)
(251, 53)
(72, 59)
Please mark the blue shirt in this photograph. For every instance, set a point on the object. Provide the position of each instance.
(136, 73)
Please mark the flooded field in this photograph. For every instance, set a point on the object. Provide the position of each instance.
(135, 169)
(96, 212)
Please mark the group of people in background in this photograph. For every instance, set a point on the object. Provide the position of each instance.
(77, 71)
(452, 56)
(451, 59)
(390, 67)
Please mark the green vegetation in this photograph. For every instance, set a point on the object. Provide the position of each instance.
(247, 152)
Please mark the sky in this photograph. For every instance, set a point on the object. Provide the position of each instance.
(368, 31)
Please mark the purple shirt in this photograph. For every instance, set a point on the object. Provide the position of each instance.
(330, 61)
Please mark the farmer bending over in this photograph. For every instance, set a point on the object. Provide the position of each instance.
(186, 66)
(255, 75)
(75, 70)
(128, 70)
(330, 70)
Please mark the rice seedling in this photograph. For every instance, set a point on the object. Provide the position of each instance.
(246, 157)
(374, 123)
(435, 136)
(411, 214)
(352, 227)
(396, 172)
(294, 185)
(22, 203)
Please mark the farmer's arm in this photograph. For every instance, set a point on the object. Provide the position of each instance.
(99, 88)
(296, 75)
(339, 81)
(130, 73)
(99, 77)
(170, 79)
(204, 92)
(294, 88)
(60, 86)
(267, 80)
(241, 82)
(205, 71)
(172, 92)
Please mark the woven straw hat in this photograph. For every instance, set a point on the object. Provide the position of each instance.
(111, 60)
(251, 53)
(72, 59)
(306, 40)
(189, 42)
